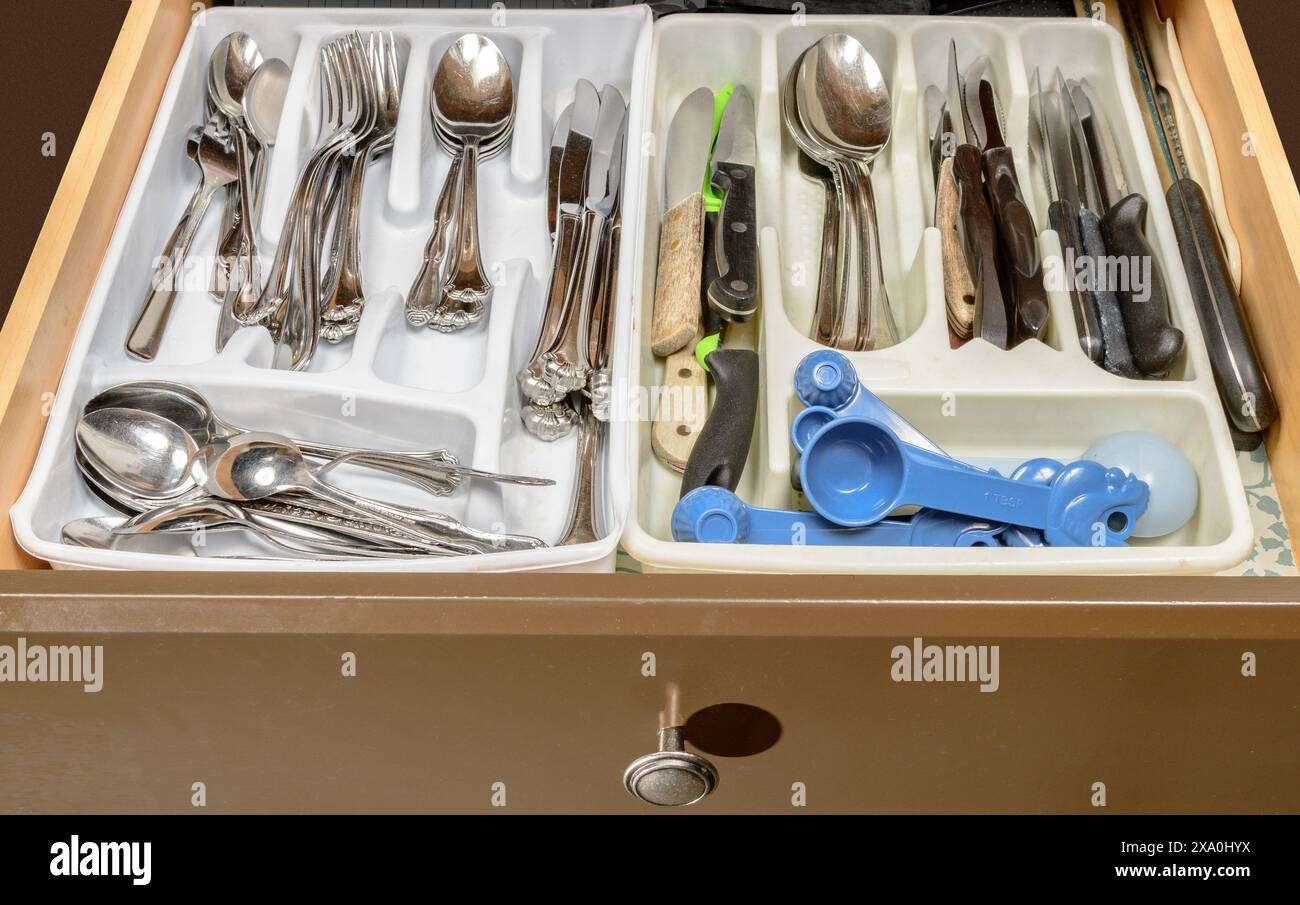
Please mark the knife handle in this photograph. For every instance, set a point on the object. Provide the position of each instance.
(1117, 357)
(1066, 225)
(722, 448)
(734, 294)
(683, 408)
(1156, 343)
(677, 284)
(958, 289)
(990, 305)
(1019, 244)
(1243, 385)
(564, 254)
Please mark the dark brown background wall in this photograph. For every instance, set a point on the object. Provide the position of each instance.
(56, 49)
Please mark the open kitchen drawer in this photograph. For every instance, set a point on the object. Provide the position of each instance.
(591, 665)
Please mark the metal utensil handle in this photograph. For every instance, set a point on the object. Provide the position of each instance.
(147, 333)
(582, 527)
(467, 282)
(884, 329)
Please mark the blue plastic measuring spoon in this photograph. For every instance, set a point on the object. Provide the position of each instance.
(715, 515)
(855, 472)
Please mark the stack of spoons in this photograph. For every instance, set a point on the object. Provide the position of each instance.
(158, 453)
(836, 107)
(472, 103)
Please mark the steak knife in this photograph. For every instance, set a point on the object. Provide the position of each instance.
(958, 288)
(1156, 343)
(1016, 231)
(991, 323)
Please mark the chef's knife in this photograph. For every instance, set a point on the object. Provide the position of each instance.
(1117, 357)
(1243, 385)
(991, 322)
(734, 294)
(958, 288)
(681, 236)
(1063, 212)
(1156, 343)
(684, 394)
(1016, 231)
(722, 447)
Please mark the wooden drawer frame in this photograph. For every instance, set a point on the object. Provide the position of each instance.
(1261, 195)
(625, 611)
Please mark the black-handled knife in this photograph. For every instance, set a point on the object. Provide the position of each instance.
(728, 349)
(1156, 343)
(1243, 386)
(733, 294)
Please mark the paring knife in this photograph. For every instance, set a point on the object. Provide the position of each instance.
(681, 235)
(723, 446)
(958, 288)
(1016, 231)
(991, 323)
(1243, 385)
(1117, 357)
(1155, 342)
(683, 401)
(1052, 144)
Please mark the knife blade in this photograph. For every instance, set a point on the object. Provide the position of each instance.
(683, 398)
(990, 318)
(1117, 357)
(1016, 230)
(559, 138)
(734, 294)
(1063, 214)
(1155, 342)
(676, 311)
(958, 288)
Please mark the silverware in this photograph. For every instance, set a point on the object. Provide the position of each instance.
(220, 168)
(342, 308)
(473, 102)
(563, 368)
(845, 109)
(436, 471)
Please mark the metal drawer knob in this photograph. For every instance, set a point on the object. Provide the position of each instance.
(670, 777)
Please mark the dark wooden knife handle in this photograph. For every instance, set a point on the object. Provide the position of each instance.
(1243, 385)
(1118, 357)
(991, 323)
(722, 447)
(1066, 225)
(1156, 343)
(734, 294)
(1019, 244)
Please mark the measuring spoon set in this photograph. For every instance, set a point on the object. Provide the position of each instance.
(860, 462)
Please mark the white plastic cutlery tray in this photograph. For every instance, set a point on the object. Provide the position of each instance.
(392, 385)
(977, 402)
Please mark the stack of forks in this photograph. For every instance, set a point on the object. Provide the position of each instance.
(360, 97)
